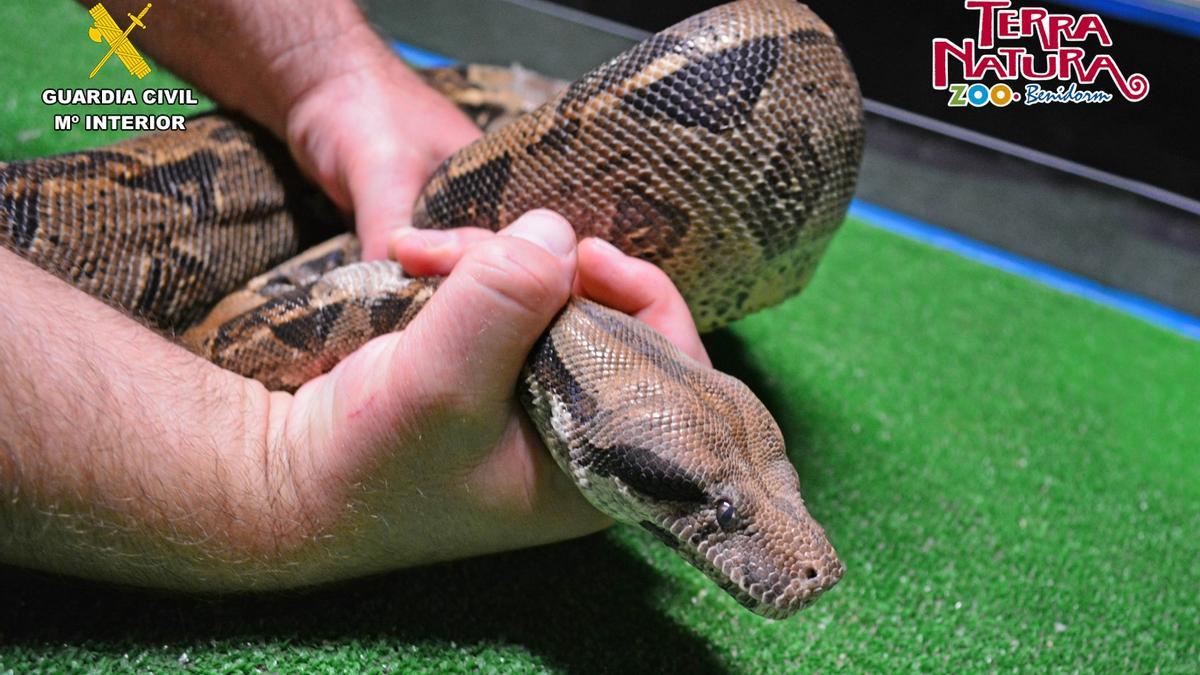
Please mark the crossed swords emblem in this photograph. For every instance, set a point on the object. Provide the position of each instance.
(107, 30)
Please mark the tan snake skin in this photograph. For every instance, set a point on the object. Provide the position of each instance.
(723, 149)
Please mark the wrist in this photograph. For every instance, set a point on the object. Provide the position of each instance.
(293, 75)
(293, 50)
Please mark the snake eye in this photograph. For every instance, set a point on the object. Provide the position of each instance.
(727, 516)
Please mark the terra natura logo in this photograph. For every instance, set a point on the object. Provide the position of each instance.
(1019, 55)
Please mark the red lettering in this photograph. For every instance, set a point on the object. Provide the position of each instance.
(1059, 24)
(943, 51)
(1012, 60)
(986, 22)
(1102, 62)
(985, 63)
(1031, 20)
(1029, 67)
(1070, 58)
(1092, 24)
(1006, 20)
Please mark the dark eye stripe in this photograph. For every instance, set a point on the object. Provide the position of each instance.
(646, 472)
(550, 371)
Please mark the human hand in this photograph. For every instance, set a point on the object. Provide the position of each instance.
(422, 429)
(370, 138)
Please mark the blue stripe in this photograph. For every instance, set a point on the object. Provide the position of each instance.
(1053, 277)
(1166, 14)
(420, 58)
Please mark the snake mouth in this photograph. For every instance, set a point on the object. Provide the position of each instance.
(774, 587)
(782, 599)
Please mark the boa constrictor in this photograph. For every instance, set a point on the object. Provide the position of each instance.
(723, 149)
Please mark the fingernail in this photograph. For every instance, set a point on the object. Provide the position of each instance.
(423, 238)
(399, 234)
(608, 247)
(544, 229)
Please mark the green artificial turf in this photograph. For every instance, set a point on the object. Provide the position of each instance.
(1010, 475)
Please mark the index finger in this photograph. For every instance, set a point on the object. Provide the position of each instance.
(640, 289)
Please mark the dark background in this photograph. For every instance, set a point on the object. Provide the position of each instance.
(1156, 140)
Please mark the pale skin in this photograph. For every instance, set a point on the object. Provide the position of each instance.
(125, 458)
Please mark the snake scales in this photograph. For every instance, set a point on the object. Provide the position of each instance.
(723, 149)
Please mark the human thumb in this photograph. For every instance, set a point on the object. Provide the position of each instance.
(500, 297)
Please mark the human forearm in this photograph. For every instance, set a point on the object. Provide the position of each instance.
(122, 456)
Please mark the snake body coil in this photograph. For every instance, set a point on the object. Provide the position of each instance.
(723, 149)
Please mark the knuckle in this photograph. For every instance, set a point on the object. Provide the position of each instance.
(519, 275)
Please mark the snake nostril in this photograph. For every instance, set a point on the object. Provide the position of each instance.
(811, 573)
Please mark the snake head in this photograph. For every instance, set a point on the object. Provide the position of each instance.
(747, 528)
(653, 438)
